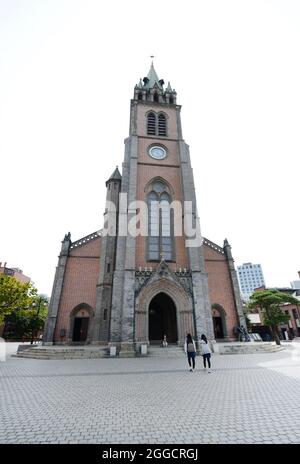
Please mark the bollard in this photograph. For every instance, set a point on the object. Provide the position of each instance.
(144, 350)
(2, 350)
(113, 351)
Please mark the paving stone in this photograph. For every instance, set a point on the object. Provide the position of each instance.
(151, 400)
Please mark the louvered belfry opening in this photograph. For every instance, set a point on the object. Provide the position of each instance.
(151, 124)
(162, 125)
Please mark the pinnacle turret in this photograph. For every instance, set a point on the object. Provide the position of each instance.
(116, 176)
(151, 88)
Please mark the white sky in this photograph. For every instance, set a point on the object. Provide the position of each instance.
(67, 73)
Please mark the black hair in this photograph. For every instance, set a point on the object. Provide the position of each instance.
(203, 337)
(189, 338)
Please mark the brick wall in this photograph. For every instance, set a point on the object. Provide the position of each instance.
(80, 281)
(220, 288)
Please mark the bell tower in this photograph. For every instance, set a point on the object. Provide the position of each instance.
(157, 172)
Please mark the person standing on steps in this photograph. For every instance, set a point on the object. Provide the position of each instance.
(206, 352)
(190, 349)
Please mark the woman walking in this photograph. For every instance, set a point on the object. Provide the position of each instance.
(206, 352)
(190, 349)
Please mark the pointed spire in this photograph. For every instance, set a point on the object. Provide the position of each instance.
(226, 243)
(227, 249)
(151, 89)
(67, 237)
(116, 175)
(152, 79)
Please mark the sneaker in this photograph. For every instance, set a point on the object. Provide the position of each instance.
(209, 371)
(191, 370)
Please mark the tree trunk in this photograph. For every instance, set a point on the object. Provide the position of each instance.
(275, 334)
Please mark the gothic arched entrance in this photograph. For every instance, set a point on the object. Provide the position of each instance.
(219, 321)
(162, 319)
(80, 330)
(80, 324)
(169, 295)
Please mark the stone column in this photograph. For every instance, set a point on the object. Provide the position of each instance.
(48, 337)
(202, 305)
(235, 284)
(122, 311)
(127, 328)
(107, 263)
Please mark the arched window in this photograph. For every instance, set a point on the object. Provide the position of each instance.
(162, 125)
(153, 239)
(171, 100)
(156, 126)
(160, 243)
(140, 96)
(166, 239)
(151, 124)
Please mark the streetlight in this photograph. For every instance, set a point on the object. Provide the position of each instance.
(38, 303)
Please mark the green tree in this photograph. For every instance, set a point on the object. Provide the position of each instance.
(248, 322)
(14, 295)
(269, 302)
(26, 323)
(37, 315)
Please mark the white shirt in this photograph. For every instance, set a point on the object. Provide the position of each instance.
(205, 347)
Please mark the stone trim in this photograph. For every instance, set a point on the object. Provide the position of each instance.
(143, 163)
(213, 245)
(83, 257)
(153, 103)
(83, 241)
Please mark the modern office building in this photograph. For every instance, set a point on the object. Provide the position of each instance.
(250, 277)
(296, 283)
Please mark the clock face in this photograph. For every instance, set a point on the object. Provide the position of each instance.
(158, 153)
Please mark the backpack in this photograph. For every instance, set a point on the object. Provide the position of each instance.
(190, 348)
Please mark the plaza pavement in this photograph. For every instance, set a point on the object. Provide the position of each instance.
(246, 399)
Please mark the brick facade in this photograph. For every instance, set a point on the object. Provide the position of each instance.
(79, 287)
(106, 288)
(220, 286)
(80, 283)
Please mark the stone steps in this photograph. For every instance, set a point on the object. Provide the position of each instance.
(248, 348)
(173, 351)
(63, 353)
(169, 352)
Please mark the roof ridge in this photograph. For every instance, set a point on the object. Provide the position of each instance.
(213, 245)
(84, 240)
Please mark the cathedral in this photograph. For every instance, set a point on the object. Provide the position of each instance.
(124, 290)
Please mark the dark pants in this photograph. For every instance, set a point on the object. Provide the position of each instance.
(206, 357)
(191, 356)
